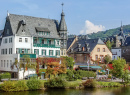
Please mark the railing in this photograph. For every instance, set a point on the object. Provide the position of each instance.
(46, 45)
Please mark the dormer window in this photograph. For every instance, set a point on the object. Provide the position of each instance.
(79, 49)
(7, 31)
(79, 45)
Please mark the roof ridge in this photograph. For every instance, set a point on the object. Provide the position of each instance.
(32, 17)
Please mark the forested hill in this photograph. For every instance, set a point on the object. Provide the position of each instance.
(110, 32)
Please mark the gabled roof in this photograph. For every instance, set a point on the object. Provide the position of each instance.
(69, 41)
(83, 43)
(127, 41)
(30, 23)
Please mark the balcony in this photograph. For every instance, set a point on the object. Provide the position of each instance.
(46, 45)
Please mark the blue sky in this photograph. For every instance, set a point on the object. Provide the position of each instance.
(82, 16)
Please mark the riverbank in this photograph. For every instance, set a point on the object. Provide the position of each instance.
(35, 84)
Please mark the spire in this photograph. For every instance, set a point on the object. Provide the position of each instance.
(7, 13)
(62, 25)
(121, 29)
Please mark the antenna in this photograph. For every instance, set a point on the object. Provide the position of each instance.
(62, 6)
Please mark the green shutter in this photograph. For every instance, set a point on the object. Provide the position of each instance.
(49, 52)
(42, 51)
(45, 52)
(52, 52)
(38, 51)
(21, 50)
(56, 52)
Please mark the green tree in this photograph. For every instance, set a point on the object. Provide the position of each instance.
(109, 44)
(107, 59)
(69, 62)
(120, 69)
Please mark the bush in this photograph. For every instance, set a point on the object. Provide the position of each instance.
(41, 70)
(109, 84)
(14, 86)
(34, 84)
(5, 75)
(90, 83)
(86, 73)
(55, 83)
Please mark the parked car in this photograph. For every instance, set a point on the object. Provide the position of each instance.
(30, 76)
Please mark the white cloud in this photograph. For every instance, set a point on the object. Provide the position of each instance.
(90, 28)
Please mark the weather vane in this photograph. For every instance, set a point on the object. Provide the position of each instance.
(62, 6)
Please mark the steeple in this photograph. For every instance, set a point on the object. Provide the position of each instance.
(62, 25)
(121, 31)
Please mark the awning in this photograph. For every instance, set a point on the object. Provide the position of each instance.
(90, 67)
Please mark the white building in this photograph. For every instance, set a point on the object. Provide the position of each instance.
(116, 52)
(36, 37)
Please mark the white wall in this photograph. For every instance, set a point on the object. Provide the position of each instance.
(30, 71)
(116, 52)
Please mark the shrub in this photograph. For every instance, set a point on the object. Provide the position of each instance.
(41, 70)
(90, 83)
(55, 83)
(14, 86)
(86, 73)
(34, 84)
(109, 84)
(109, 76)
(5, 75)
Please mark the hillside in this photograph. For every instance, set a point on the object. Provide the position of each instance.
(110, 32)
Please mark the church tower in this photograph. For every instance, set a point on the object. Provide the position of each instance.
(63, 34)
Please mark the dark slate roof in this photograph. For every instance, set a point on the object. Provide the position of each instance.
(127, 41)
(1, 31)
(62, 25)
(30, 23)
(69, 41)
(83, 43)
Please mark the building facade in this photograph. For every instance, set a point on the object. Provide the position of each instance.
(86, 51)
(32, 36)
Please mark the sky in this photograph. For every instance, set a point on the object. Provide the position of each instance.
(81, 16)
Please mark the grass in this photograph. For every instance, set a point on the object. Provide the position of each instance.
(73, 84)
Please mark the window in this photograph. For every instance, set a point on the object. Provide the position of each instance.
(103, 49)
(36, 51)
(114, 57)
(10, 50)
(43, 52)
(85, 57)
(101, 58)
(1, 63)
(4, 63)
(58, 43)
(96, 57)
(10, 40)
(26, 40)
(23, 51)
(51, 52)
(10, 63)
(7, 63)
(64, 52)
(35, 41)
(42, 41)
(5, 40)
(5, 51)
(61, 52)
(20, 39)
(7, 31)
(57, 53)
(49, 42)
(98, 49)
